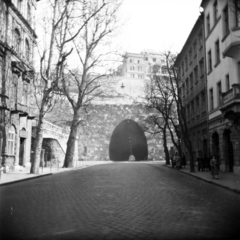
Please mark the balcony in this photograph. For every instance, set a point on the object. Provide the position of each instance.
(230, 105)
(231, 44)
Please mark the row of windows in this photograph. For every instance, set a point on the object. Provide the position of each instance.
(17, 44)
(146, 59)
(235, 8)
(194, 76)
(197, 45)
(197, 104)
(132, 68)
(132, 75)
(20, 8)
(219, 93)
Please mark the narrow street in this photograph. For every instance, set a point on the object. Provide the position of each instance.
(118, 201)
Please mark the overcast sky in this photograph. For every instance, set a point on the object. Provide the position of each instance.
(157, 24)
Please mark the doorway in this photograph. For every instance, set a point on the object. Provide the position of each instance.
(215, 145)
(22, 152)
(228, 150)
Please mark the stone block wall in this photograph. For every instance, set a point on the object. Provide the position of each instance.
(95, 132)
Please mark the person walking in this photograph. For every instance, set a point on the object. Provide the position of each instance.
(214, 168)
(183, 160)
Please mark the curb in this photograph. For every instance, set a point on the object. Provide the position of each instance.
(205, 180)
(25, 179)
(43, 175)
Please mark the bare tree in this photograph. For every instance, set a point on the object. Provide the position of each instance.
(160, 100)
(174, 88)
(92, 74)
(67, 20)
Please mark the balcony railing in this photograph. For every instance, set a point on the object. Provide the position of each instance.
(230, 96)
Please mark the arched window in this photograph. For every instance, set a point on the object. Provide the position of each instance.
(27, 50)
(17, 40)
(11, 140)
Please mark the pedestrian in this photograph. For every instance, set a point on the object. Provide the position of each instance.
(183, 161)
(173, 161)
(200, 161)
(214, 168)
(177, 160)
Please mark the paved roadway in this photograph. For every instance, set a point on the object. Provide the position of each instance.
(119, 201)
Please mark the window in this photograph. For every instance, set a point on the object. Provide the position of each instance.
(154, 59)
(209, 61)
(196, 73)
(190, 56)
(217, 52)
(192, 108)
(219, 93)
(29, 13)
(191, 81)
(201, 65)
(227, 83)
(182, 68)
(139, 69)
(187, 85)
(130, 60)
(211, 103)
(132, 75)
(1, 73)
(146, 58)
(225, 21)
(215, 9)
(19, 5)
(237, 12)
(25, 94)
(11, 140)
(17, 40)
(131, 68)
(197, 105)
(186, 63)
(138, 61)
(203, 104)
(183, 89)
(27, 50)
(208, 24)
(195, 48)
(200, 39)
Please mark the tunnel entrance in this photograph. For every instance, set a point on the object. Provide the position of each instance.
(128, 139)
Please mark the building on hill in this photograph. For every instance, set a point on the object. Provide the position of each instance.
(222, 36)
(139, 65)
(193, 87)
(17, 40)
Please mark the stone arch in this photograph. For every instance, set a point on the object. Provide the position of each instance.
(52, 151)
(228, 150)
(128, 139)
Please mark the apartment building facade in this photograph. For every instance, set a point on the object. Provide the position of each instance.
(222, 39)
(191, 63)
(139, 65)
(17, 40)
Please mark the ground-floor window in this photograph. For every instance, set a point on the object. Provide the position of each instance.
(11, 140)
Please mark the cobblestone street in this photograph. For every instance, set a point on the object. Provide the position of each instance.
(119, 201)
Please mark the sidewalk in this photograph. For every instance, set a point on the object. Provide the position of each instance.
(23, 173)
(227, 180)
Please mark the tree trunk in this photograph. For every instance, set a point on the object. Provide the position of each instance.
(165, 147)
(69, 157)
(37, 147)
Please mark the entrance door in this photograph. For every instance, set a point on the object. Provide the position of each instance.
(229, 157)
(21, 151)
